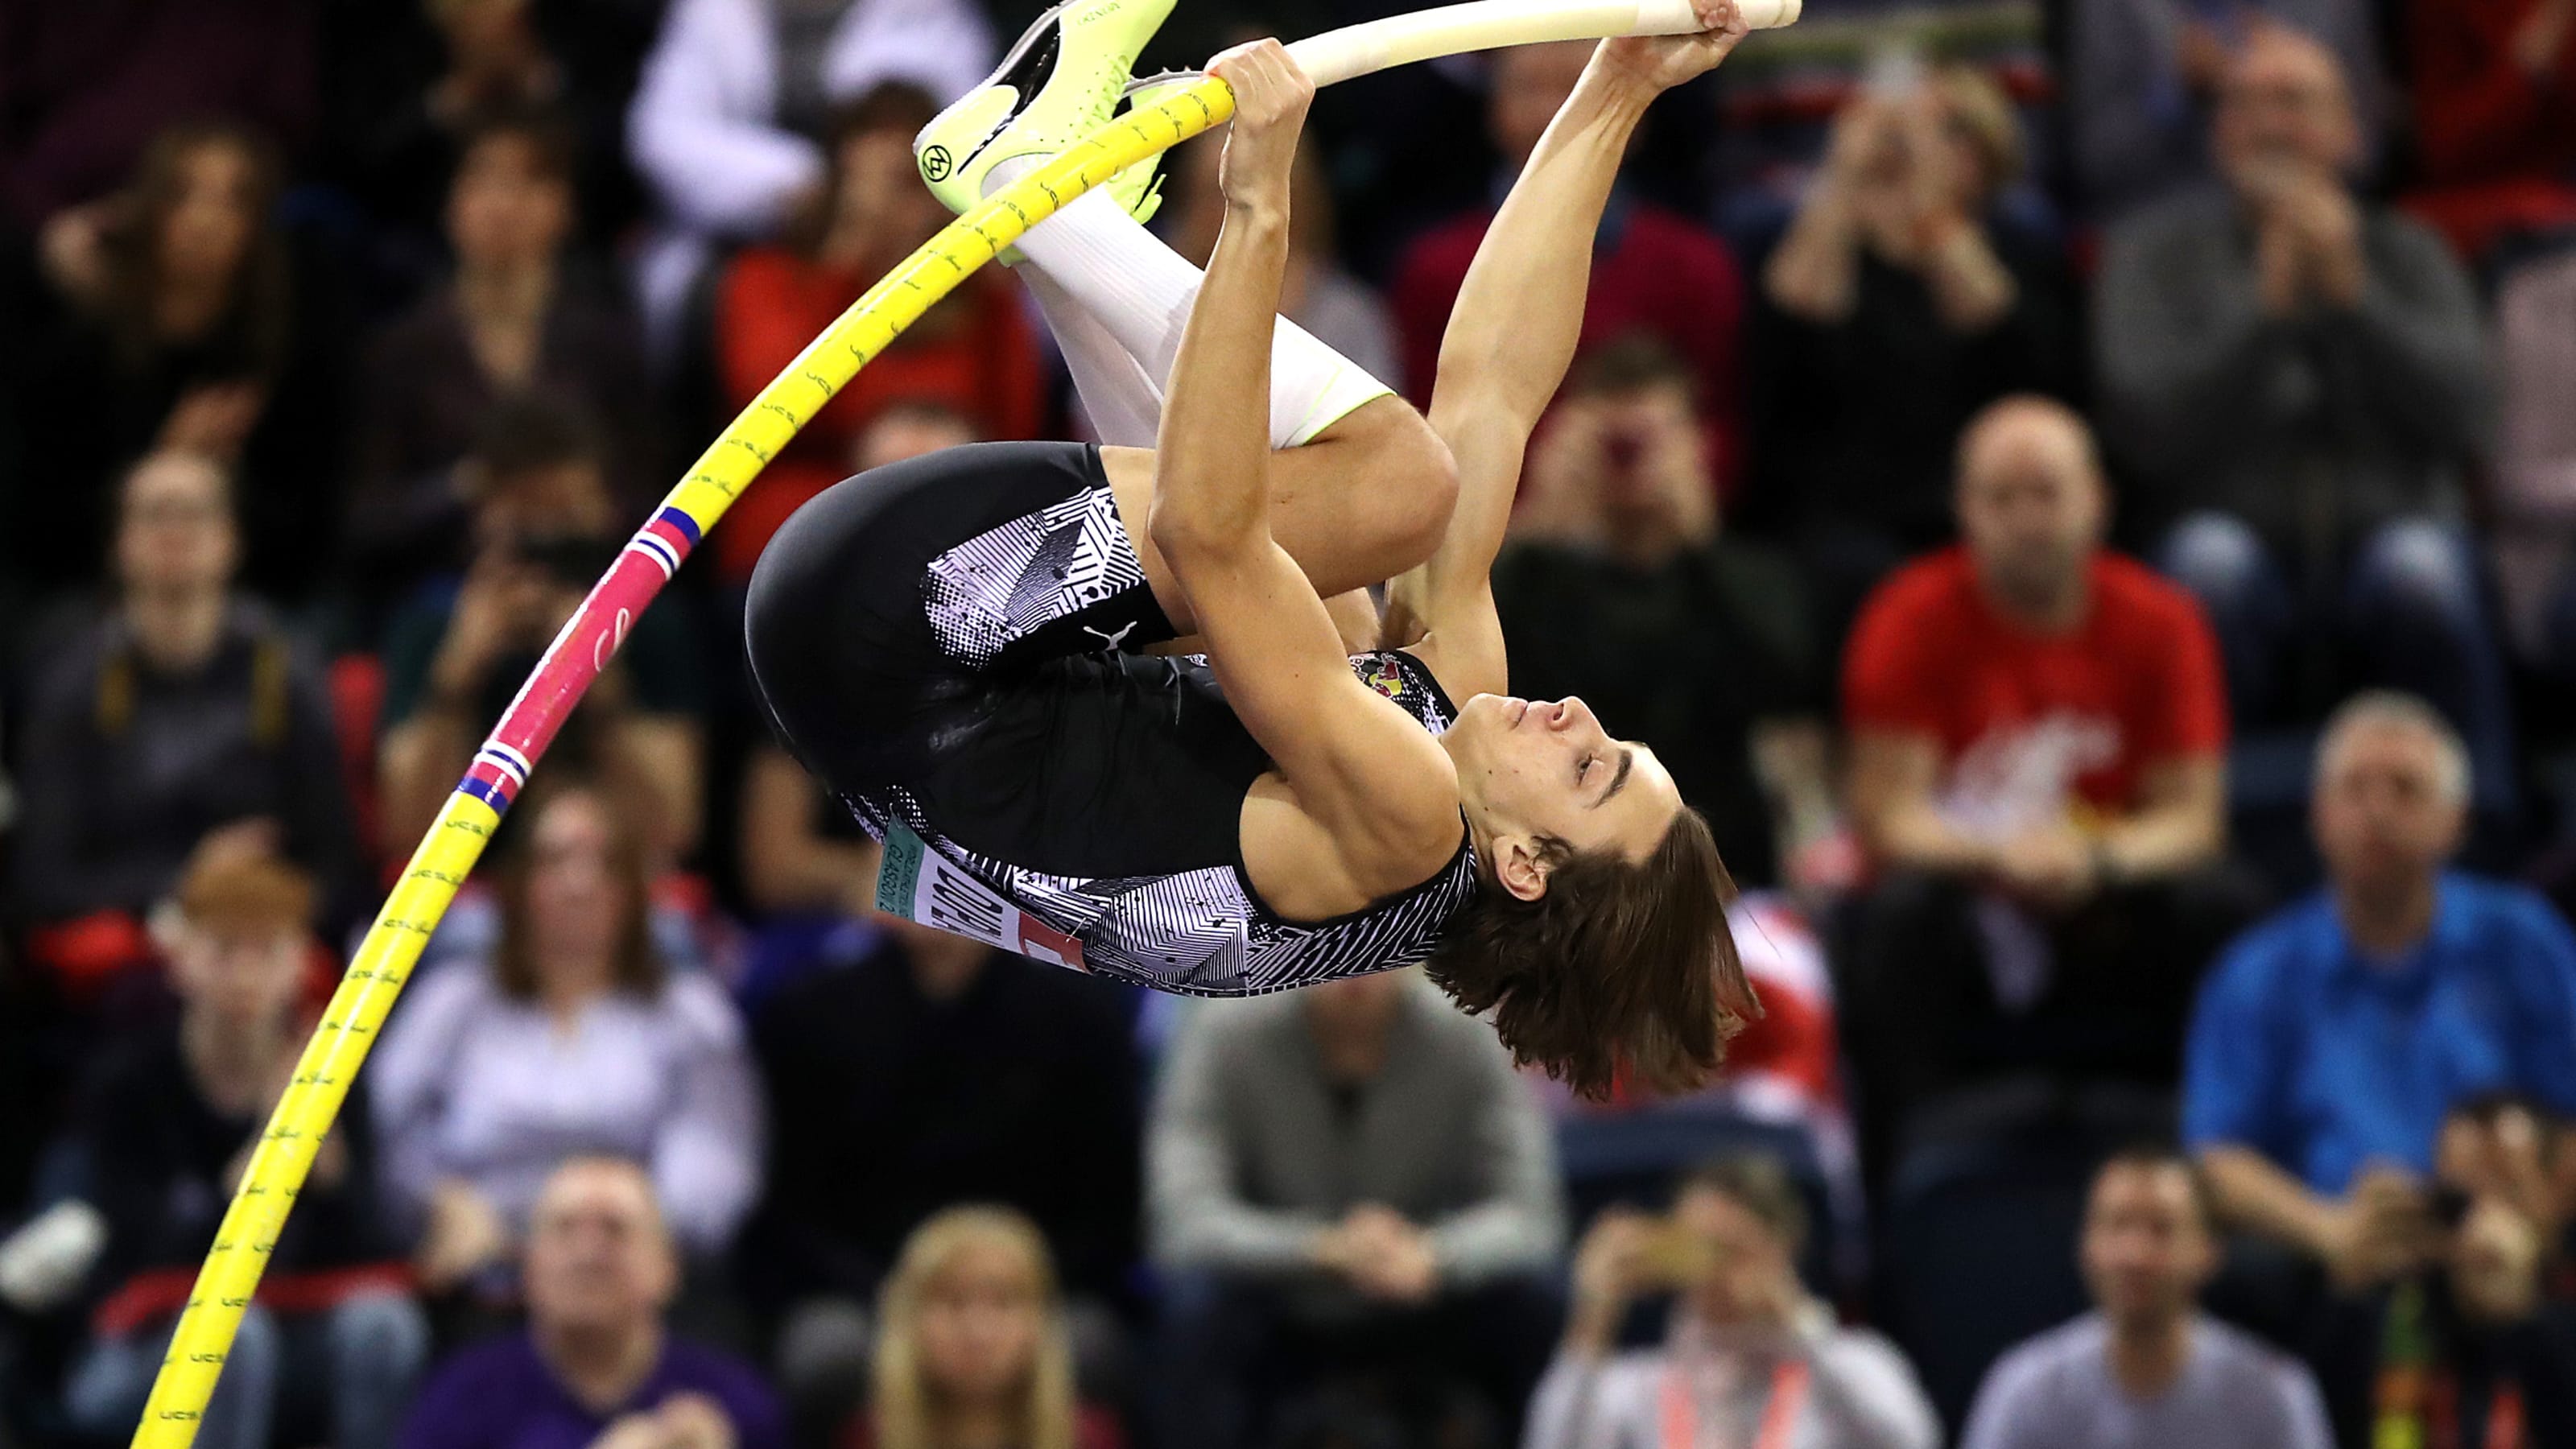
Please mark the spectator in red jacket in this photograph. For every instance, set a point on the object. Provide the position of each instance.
(1653, 270)
(2495, 115)
(2037, 731)
(974, 352)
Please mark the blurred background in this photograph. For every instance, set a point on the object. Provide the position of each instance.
(2079, 491)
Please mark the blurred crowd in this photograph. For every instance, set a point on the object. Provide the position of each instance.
(2082, 493)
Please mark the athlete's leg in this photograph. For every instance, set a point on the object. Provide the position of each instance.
(1365, 501)
(1362, 489)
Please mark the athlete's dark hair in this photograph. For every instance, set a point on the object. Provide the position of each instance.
(1619, 969)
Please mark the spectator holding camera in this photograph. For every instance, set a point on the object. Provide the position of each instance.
(2146, 1369)
(2331, 1039)
(1750, 1357)
(545, 528)
(1621, 587)
(2451, 1342)
(1900, 302)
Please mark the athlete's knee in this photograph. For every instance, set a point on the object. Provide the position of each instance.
(1410, 477)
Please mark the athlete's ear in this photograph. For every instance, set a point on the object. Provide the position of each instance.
(1521, 866)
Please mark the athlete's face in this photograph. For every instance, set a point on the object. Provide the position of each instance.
(1534, 771)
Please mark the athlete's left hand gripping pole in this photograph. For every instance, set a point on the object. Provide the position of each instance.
(588, 640)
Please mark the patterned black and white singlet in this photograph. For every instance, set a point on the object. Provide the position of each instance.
(947, 642)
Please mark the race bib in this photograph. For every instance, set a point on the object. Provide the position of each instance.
(920, 885)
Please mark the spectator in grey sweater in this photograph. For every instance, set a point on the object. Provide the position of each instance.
(2145, 1369)
(2296, 380)
(1342, 1178)
(1751, 1357)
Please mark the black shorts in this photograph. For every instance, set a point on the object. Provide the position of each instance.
(962, 627)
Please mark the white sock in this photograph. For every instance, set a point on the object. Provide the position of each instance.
(1125, 406)
(1138, 291)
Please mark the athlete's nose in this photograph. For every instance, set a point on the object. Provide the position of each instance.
(1570, 711)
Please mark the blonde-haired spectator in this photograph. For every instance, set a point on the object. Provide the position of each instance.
(973, 1346)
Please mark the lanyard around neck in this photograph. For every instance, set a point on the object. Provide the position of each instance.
(1779, 1416)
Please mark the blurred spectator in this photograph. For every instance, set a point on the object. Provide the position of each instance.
(2038, 732)
(1316, 293)
(546, 527)
(1778, 105)
(2331, 1039)
(933, 1070)
(1785, 1070)
(2145, 75)
(973, 353)
(595, 1367)
(408, 92)
(176, 321)
(2146, 1369)
(2454, 1344)
(2495, 116)
(572, 1039)
(1901, 302)
(185, 712)
(1622, 589)
(1348, 1178)
(90, 85)
(2300, 378)
(1750, 1354)
(331, 1348)
(1653, 271)
(729, 116)
(518, 317)
(974, 1349)
(801, 850)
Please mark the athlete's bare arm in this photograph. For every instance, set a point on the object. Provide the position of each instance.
(1512, 333)
(1369, 803)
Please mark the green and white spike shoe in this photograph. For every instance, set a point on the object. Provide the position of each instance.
(1060, 82)
(1139, 188)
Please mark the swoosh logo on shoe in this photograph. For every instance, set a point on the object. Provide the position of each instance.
(1037, 62)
